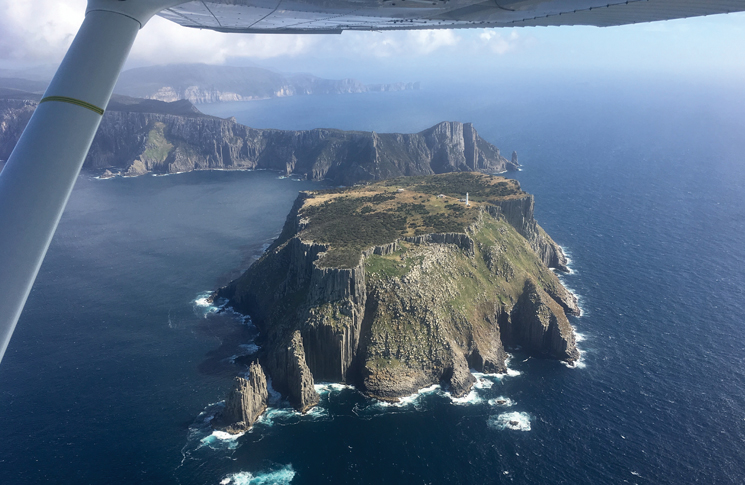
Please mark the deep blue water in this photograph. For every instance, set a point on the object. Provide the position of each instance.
(113, 368)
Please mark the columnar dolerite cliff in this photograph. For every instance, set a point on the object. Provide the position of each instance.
(141, 136)
(398, 285)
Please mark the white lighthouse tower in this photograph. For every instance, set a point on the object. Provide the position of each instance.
(467, 199)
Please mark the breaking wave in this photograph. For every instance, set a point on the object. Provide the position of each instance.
(283, 476)
(515, 421)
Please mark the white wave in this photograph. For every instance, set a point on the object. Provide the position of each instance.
(513, 372)
(482, 381)
(220, 440)
(286, 415)
(516, 421)
(316, 413)
(501, 401)
(579, 337)
(325, 388)
(204, 304)
(577, 364)
(273, 415)
(413, 398)
(470, 398)
(283, 476)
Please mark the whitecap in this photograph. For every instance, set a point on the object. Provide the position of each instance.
(274, 416)
(482, 381)
(577, 364)
(286, 415)
(516, 421)
(204, 304)
(501, 401)
(283, 476)
(470, 398)
(324, 388)
(405, 401)
(220, 440)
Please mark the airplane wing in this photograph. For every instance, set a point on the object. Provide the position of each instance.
(335, 16)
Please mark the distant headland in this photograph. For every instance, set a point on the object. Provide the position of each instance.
(141, 136)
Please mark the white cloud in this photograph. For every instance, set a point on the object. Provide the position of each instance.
(497, 43)
(162, 41)
(38, 30)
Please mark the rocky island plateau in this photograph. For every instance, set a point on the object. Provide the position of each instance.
(398, 285)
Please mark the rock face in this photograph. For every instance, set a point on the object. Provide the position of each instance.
(133, 140)
(397, 312)
(539, 326)
(201, 83)
(519, 213)
(246, 401)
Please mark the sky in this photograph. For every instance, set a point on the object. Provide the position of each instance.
(37, 33)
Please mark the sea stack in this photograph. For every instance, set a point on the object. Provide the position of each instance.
(245, 402)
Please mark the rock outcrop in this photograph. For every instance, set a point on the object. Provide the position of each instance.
(146, 136)
(394, 310)
(245, 402)
(519, 213)
(539, 326)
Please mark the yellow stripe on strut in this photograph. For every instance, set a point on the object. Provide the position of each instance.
(77, 102)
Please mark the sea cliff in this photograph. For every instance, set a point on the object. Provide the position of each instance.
(398, 285)
(147, 136)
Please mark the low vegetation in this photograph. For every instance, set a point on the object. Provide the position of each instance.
(352, 219)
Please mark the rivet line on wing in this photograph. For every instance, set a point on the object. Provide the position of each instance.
(76, 102)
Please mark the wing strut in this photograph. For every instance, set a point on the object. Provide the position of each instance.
(40, 173)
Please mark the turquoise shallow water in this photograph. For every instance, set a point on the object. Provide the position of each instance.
(114, 368)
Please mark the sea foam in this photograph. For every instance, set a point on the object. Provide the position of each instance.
(501, 401)
(283, 476)
(516, 421)
(220, 440)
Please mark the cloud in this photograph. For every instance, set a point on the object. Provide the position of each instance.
(497, 43)
(38, 30)
(162, 41)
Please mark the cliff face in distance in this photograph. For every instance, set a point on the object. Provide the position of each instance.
(146, 136)
(398, 285)
(202, 83)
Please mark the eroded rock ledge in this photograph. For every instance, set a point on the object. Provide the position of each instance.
(365, 287)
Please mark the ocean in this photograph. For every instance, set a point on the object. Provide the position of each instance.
(118, 363)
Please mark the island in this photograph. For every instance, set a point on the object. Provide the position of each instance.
(397, 285)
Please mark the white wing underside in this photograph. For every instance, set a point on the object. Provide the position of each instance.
(335, 16)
